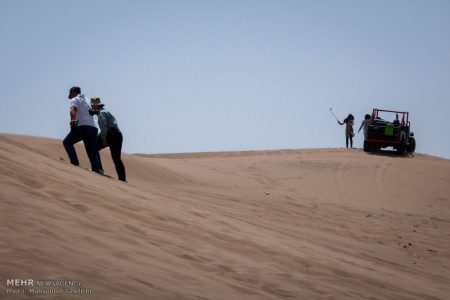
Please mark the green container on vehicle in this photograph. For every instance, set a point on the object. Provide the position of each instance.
(389, 130)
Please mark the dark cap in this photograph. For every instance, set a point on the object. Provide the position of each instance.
(75, 90)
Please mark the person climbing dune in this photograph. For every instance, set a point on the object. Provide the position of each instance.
(110, 136)
(82, 128)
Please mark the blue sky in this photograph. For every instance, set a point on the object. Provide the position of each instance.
(184, 76)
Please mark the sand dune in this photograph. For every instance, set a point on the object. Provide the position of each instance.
(288, 224)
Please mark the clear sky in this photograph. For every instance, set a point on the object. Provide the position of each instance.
(189, 75)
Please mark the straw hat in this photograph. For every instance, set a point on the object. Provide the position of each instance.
(96, 101)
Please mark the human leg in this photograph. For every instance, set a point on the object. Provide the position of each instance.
(351, 134)
(90, 143)
(100, 146)
(115, 140)
(100, 167)
(71, 139)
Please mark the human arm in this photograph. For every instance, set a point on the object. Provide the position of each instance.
(360, 127)
(73, 115)
(73, 112)
(340, 123)
(103, 124)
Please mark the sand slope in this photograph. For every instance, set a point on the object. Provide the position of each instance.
(288, 224)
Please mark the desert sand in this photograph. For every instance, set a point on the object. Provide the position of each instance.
(287, 224)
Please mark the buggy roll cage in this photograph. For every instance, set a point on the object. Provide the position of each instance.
(404, 114)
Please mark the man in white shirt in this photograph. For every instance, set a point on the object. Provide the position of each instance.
(82, 128)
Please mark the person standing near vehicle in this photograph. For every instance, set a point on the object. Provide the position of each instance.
(82, 128)
(349, 121)
(365, 125)
(110, 135)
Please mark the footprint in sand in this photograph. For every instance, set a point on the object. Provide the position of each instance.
(135, 229)
(79, 207)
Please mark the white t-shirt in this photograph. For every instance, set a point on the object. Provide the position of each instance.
(83, 106)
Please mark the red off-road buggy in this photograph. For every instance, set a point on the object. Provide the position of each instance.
(389, 128)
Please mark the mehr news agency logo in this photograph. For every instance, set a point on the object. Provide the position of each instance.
(45, 287)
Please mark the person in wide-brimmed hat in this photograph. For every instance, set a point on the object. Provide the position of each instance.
(110, 135)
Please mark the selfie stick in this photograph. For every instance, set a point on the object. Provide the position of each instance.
(331, 111)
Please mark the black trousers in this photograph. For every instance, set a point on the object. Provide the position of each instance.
(87, 134)
(347, 138)
(115, 140)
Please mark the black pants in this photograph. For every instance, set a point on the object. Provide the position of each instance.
(347, 138)
(87, 134)
(115, 140)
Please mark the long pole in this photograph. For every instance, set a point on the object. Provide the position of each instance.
(331, 111)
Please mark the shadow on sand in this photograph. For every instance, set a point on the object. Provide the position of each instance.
(390, 153)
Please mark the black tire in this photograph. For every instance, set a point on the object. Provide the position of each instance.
(366, 146)
(412, 145)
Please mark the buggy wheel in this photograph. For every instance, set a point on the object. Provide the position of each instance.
(412, 145)
(366, 146)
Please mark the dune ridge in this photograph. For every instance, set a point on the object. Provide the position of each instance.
(287, 224)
